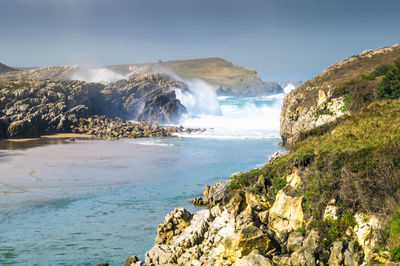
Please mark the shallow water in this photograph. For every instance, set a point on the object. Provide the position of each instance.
(89, 202)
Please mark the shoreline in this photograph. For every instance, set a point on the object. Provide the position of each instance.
(54, 136)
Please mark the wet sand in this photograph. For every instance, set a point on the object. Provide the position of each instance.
(26, 143)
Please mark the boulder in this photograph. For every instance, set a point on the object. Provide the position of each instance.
(132, 261)
(306, 255)
(174, 223)
(336, 257)
(353, 255)
(294, 241)
(254, 259)
(286, 214)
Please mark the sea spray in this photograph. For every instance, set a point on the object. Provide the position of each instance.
(99, 75)
(200, 99)
(288, 88)
(240, 118)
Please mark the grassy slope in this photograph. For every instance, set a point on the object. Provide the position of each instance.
(356, 161)
(346, 77)
(215, 71)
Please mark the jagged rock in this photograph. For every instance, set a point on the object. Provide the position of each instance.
(353, 255)
(286, 215)
(132, 261)
(331, 211)
(275, 157)
(174, 223)
(252, 238)
(208, 194)
(221, 192)
(293, 180)
(336, 257)
(255, 259)
(294, 241)
(366, 232)
(163, 255)
(306, 255)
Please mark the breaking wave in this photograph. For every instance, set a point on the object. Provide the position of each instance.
(229, 117)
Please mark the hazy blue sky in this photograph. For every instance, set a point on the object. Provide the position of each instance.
(282, 39)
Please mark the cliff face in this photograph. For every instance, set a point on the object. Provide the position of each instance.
(338, 91)
(333, 199)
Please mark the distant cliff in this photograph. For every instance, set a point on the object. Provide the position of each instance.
(227, 79)
(4, 68)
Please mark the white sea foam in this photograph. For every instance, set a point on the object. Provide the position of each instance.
(150, 142)
(289, 87)
(227, 117)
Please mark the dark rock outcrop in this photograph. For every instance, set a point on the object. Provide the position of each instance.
(4, 68)
(33, 108)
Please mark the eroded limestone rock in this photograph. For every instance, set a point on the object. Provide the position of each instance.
(286, 215)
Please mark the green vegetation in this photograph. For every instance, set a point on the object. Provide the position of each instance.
(332, 230)
(355, 161)
(389, 88)
(395, 254)
(215, 71)
(392, 235)
(322, 110)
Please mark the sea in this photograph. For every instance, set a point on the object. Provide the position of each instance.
(86, 202)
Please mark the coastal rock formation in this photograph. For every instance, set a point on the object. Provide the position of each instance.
(333, 199)
(149, 97)
(339, 90)
(33, 108)
(223, 76)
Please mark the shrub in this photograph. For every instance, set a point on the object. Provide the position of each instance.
(389, 88)
(380, 71)
(395, 254)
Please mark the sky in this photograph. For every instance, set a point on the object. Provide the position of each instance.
(282, 39)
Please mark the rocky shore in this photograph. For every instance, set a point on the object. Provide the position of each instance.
(32, 108)
(333, 199)
(103, 127)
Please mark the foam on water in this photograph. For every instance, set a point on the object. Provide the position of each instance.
(240, 118)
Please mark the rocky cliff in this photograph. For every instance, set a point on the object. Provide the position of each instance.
(32, 108)
(341, 89)
(333, 199)
(226, 78)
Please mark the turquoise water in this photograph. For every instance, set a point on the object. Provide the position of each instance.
(121, 191)
(89, 202)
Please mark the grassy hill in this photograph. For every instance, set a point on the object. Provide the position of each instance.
(349, 164)
(215, 71)
(4, 68)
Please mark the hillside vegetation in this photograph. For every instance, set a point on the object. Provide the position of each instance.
(218, 72)
(332, 199)
(351, 165)
(342, 89)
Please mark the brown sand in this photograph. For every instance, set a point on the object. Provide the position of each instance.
(56, 136)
